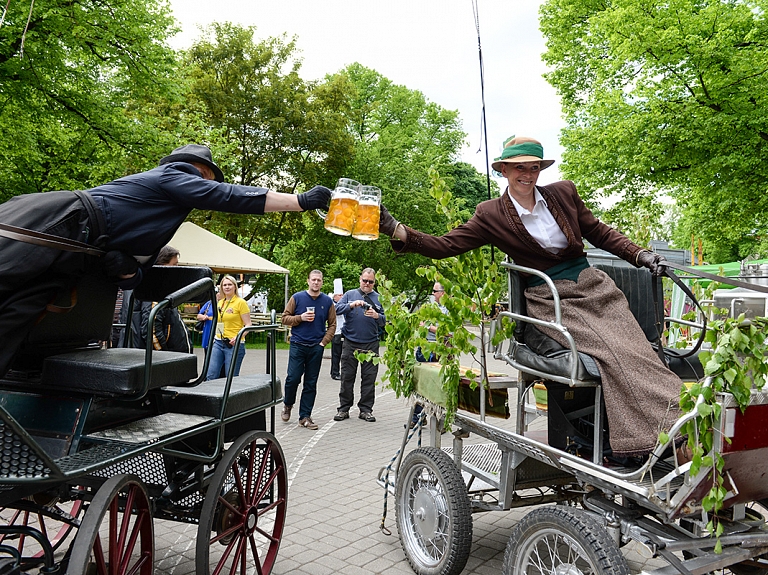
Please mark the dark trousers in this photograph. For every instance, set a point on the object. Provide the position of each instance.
(30, 275)
(368, 373)
(303, 360)
(337, 343)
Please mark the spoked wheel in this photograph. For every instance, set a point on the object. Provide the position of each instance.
(562, 541)
(434, 517)
(44, 512)
(243, 515)
(116, 536)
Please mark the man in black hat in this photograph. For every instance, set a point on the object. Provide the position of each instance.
(130, 219)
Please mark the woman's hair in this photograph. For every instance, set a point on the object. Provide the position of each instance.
(166, 254)
(230, 278)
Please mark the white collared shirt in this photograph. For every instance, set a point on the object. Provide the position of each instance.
(541, 224)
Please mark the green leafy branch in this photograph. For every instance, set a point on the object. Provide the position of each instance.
(736, 365)
(473, 287)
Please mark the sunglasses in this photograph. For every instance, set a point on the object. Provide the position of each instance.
(367, 281)
(437, 290)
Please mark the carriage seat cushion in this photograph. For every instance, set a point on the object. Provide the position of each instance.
(116, 372)
(555, 363)
(247, 392)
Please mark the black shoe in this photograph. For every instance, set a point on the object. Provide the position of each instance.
(335, 376)
(367, 416)
(341, 415)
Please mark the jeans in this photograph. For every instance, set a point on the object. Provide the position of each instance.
(337, 344)
(368, 372)
(221, 356)
(306, 360)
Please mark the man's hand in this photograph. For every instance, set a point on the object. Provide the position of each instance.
(387, 223)
(317, 198)
(651, 260)
(119, 264)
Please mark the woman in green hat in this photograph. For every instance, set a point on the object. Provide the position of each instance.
(544, 227)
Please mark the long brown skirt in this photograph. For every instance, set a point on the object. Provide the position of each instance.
(641, 394)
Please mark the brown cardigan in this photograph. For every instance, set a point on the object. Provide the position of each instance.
(497, 222)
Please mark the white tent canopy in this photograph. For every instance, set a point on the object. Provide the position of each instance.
(199, 247)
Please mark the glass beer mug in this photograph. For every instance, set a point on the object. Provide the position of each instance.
(367, 222)
(342, 212)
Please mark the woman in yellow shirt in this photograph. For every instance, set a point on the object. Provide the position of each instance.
(233, 316)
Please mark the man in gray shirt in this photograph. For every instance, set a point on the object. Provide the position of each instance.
(363, 319)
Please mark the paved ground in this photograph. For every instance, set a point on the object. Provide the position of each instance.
(334, 503)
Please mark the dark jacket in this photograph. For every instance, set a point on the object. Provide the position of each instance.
(169, 332)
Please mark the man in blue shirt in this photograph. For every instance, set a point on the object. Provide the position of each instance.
(363, 318)
(130, 219)
(311, 316)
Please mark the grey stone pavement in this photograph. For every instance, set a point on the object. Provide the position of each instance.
(334, 503)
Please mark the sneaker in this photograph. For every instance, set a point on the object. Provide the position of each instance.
(286, 415)
(367, 416)
(341, 415)
(308, 423)
(336, 377)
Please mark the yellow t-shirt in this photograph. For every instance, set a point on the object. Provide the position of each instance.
(230, 312)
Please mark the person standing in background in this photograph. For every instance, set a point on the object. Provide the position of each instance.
(363, 318)
(233, 316)
(311, 315)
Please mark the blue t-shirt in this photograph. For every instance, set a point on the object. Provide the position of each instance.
(311, 332)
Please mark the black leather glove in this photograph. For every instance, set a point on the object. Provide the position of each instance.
(117, 263)
(387, 223)
(317, 198)
(651, 260)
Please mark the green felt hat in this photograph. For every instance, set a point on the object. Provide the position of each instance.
(521, 149)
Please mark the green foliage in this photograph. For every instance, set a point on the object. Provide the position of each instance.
(473, 285)
(667, 98)
(736, 366)
(73, 77)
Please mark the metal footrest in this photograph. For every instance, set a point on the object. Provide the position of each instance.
(151, 429)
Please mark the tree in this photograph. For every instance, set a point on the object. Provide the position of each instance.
(667, 99)
(275, 130)
(71, 78)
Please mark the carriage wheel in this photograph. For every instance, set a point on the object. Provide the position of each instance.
(559, 540)
(243, 515)
(45, 513)
(759, 565)
(434, 516)
(116, 535)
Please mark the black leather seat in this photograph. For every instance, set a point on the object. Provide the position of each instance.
(62, 351)
(247, 392)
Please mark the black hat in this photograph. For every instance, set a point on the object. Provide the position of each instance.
(194, 153)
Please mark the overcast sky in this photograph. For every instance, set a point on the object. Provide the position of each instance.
(425, 45)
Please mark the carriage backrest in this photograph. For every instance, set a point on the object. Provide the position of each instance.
(637, 286)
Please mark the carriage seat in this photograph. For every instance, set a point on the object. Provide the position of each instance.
(63, 351)
(247, 392)
(541, 352)
(116, 372)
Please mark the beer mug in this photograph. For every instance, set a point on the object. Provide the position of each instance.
(342, 212)
(367, 222)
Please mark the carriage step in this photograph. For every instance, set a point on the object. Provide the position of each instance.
(151, 429)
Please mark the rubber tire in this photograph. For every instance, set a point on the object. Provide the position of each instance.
(226, 498)
(443, 496)
(578, 531)
(106, 504)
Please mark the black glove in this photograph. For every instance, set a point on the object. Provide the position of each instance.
(117, 263)
(651, 260)
(317, 198)
(387, 224)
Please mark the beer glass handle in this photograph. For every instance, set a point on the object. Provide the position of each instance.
(321, 213)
